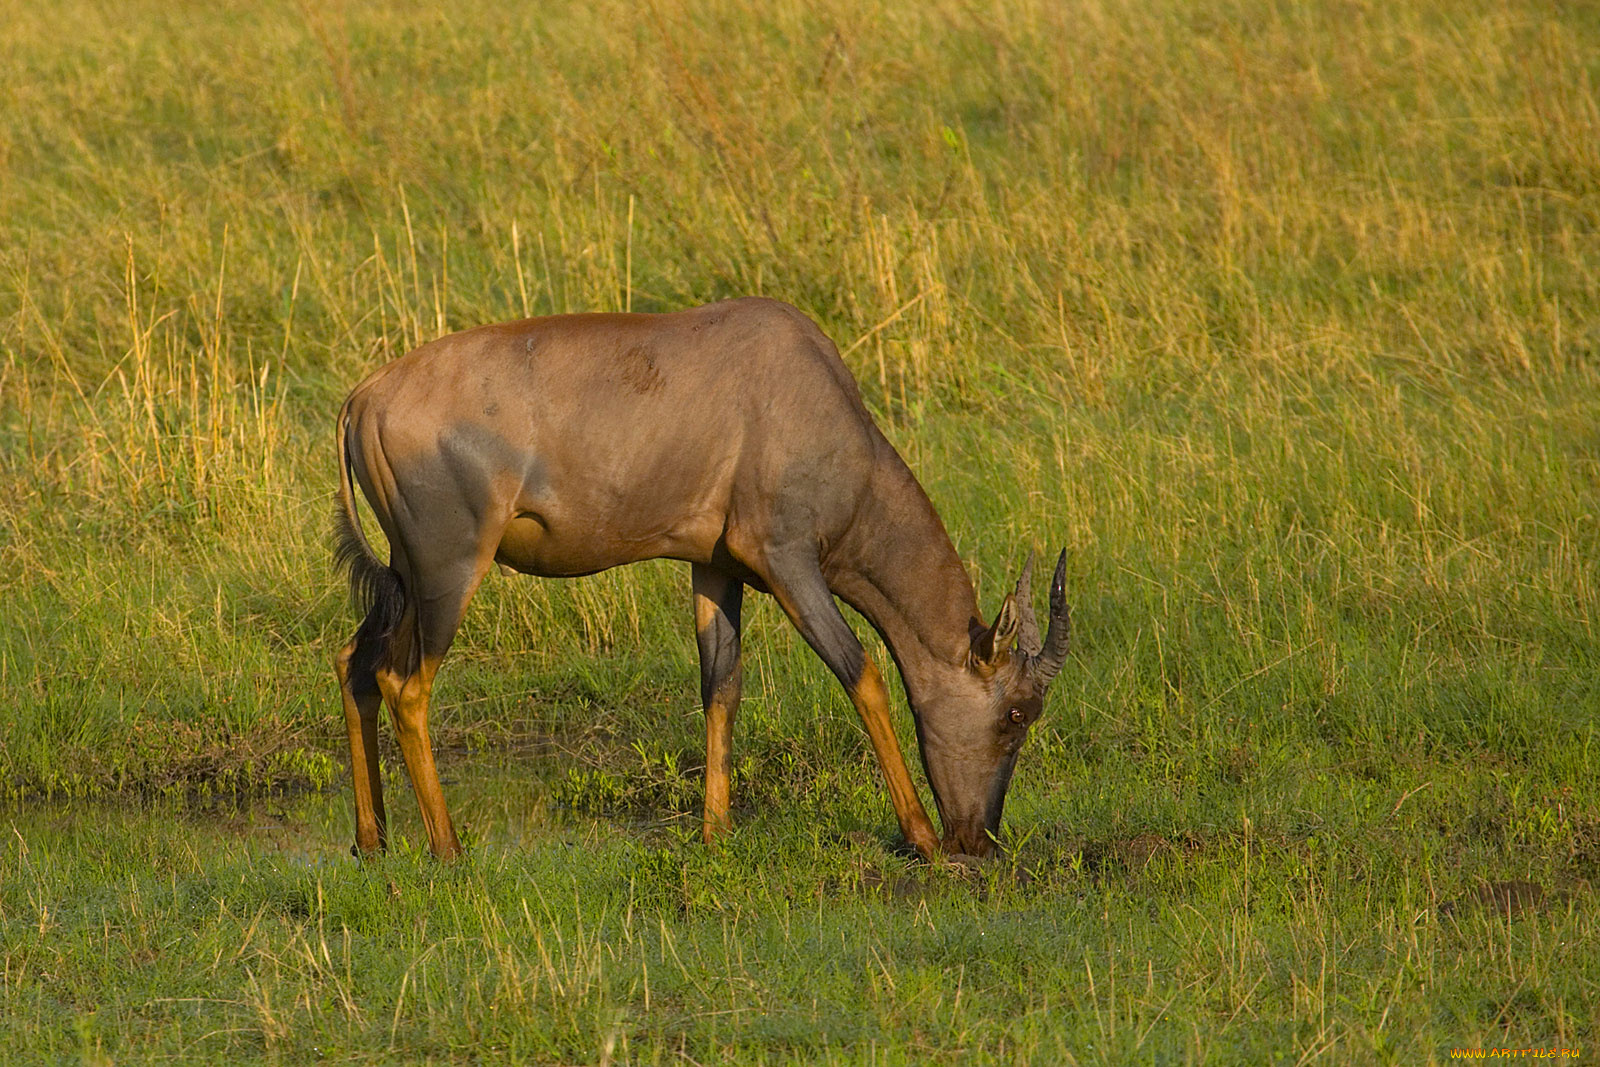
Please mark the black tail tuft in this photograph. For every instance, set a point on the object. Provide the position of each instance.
(374, 586)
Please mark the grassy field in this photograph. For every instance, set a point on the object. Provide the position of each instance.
(1284, 317)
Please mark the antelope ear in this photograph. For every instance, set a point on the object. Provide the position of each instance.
(994, 644)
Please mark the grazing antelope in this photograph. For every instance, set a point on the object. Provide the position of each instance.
(729, 436)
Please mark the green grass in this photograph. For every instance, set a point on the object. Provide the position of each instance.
(1283, 317)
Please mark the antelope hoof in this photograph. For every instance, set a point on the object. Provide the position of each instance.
(933, 854)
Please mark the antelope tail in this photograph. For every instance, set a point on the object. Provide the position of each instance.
(374, 585)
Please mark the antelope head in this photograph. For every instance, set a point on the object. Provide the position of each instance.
(970, 739)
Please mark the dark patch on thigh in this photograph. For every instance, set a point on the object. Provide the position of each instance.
(477, 455)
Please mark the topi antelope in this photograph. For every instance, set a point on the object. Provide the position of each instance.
(729, 436)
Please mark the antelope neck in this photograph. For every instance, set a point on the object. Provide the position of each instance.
(898, 568)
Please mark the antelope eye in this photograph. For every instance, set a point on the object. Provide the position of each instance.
(1016, 716)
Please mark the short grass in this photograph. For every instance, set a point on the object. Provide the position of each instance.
(1283, 317)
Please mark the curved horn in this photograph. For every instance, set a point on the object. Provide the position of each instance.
(1054, 652)
(1027, 625)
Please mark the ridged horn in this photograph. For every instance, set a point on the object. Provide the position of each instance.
(1027, 625)
(1054, 651)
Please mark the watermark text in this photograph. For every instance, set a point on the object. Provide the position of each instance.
(1515, 1053)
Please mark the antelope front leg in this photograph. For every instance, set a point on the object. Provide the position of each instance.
(804, 595)
(717, 600)
(871, 698)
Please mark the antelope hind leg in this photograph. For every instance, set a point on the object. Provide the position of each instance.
(358, 686)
